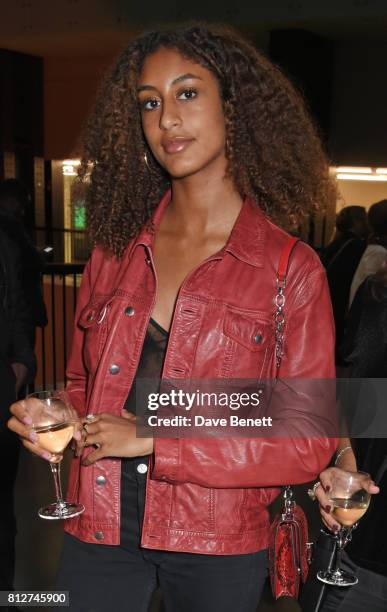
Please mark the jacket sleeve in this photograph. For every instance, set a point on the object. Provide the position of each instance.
(75, 372)
(302, 439)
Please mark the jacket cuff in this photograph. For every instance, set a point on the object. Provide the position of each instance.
(167, 461)
(77, 399)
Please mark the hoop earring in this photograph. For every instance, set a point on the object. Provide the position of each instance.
(146, 161)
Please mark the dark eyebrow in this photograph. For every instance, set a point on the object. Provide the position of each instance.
(183, 77)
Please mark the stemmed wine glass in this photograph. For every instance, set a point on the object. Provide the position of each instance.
(53, 421)
(350, 501)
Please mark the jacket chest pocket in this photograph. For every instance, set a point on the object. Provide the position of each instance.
(94, 320)
(250, 344)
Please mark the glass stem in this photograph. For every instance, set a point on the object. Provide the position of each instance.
(343, 538)
(339, 550)
(55, 468)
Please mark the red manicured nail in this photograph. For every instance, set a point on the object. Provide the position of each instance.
(328, 488)
(27, 420)
(327, 508)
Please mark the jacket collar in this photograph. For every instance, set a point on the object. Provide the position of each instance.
(246, 241)
(146, 234)
(248, 236)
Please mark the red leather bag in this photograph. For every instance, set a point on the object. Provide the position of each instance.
(288, 551)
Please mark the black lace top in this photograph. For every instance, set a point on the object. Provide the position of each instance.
(151, 361)
(132, 481)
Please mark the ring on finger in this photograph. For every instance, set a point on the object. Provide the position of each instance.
(312, 491)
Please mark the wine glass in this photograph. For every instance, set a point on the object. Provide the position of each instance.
(53, 421)
(350, 501)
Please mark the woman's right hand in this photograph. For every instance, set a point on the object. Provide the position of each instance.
(322, 495)
(21, 424)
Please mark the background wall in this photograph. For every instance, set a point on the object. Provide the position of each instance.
(79, 38)
(70, 85)
(359, 102)
(361, 193)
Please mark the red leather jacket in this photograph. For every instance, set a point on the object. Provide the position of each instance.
(203, 495)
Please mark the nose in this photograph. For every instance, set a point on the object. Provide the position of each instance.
(169, 116)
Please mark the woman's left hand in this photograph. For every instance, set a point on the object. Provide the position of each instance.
(115, 437)
(323, 499)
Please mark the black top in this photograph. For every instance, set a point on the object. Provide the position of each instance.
(341, 258)
(369, 542)
(365, 349)
(151, 361)
(15, 325)
(365, 343)
(132, 482)
(31, 264)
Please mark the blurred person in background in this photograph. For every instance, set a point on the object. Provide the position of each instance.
(365, 350)
(376, 251)
(14, 208)
(17, 367)
(341, 258)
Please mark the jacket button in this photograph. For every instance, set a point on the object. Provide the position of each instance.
(258, 339)
(100, 480)
(99, 535)
(114, 369)
(142, 468)
(129, 311)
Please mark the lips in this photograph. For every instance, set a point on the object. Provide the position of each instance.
(176, 145)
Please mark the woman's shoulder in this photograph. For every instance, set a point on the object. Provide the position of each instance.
(103, 267)
(302, 258)
(102, 257)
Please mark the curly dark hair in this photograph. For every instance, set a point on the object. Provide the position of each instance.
(273, 152)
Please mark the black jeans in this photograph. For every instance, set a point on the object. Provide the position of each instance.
(101, 578)
(123, 578)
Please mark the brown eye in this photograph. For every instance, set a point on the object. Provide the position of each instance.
(149, 104)
(187, 94)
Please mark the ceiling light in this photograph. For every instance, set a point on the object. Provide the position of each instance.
(361, 177)
(353, 170)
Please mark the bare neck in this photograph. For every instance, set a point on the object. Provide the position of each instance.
(202, 207)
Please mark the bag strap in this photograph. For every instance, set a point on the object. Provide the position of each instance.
(280, 297)
(288, 501)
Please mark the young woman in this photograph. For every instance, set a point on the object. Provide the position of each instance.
(195, 141)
